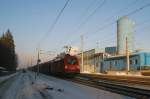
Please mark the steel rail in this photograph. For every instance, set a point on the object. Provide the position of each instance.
(121, 79)
(113, 87)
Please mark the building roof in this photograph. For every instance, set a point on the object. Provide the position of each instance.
(123, 56)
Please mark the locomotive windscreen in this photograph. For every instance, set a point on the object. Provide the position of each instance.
(72, 61)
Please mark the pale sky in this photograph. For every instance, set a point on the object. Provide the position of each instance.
(30, 21)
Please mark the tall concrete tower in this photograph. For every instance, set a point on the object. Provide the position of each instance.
(125, 29)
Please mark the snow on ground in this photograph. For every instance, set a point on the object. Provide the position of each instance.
(2, 78)
(24, 86)
(72, 90)
(20, 88)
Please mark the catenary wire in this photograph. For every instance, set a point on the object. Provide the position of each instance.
(109, 24)
(53, 24)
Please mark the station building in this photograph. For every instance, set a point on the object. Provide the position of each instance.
(92, 61)
(114, 57)
(88, 63)
(98, 59)
(138, 61)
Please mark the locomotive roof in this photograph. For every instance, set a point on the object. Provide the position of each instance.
(59, 57)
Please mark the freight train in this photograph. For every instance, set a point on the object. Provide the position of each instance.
(62, 65)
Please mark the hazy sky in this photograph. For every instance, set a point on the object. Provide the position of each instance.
(30, 21)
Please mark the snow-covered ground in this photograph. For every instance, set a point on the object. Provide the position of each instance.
(24, 86)
(3, 78)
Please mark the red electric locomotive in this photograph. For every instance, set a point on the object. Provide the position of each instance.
(65, 64)
(62, 65)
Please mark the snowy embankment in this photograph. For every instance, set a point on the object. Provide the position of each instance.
(4, 78)
(24, 86)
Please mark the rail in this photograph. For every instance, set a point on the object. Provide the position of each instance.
(120, 85)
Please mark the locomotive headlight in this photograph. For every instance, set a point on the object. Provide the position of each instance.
(66, 67)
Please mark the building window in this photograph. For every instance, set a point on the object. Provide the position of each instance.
(115, 62)
(131, 62)
(110, 63)
(136, 61)
(110, 66)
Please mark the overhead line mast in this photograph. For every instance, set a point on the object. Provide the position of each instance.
(127, 57)
(82, 60)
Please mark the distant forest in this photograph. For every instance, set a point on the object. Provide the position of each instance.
(8, 57)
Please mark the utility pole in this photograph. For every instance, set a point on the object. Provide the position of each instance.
(127, 57)
(37, 68)
(82, 61)
(38, 61)
(95, 58)
(31, 62)
(86, 66)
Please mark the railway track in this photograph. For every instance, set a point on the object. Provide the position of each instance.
(122, 86)
(132, 80)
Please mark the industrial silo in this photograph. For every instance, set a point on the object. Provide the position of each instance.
(125, 28)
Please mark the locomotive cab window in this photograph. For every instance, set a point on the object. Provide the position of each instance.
(72, 61)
